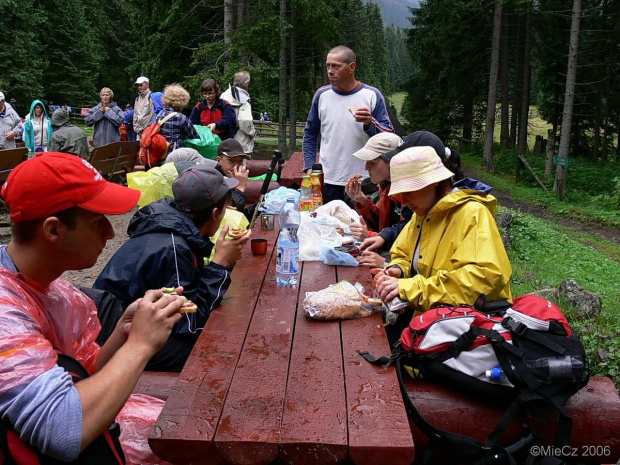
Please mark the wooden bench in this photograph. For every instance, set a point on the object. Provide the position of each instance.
(9, 159)
(595, 411)
(264, 382)
(115, 158)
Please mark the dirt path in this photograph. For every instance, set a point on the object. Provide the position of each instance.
(602, 232)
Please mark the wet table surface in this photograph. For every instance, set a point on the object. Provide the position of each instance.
(265, 383)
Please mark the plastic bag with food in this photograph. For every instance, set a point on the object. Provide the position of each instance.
(341, 211)
(340, 301)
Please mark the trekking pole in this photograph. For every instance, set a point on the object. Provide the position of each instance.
(276, 159)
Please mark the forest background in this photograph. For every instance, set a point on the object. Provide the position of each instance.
(486, 75)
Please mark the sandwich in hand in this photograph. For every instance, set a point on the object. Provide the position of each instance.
(187, 307)
(236, 233)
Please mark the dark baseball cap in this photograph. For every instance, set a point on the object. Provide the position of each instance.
(200, 187)
(418, 139)
(231, 148)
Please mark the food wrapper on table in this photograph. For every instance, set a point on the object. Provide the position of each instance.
(339, 301)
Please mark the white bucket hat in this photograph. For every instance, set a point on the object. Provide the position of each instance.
(415, 168)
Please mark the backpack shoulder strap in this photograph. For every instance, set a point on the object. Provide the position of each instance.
(168, 116)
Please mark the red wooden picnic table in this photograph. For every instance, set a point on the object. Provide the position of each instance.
(264, 382)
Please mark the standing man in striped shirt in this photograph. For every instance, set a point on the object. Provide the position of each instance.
(345, 114)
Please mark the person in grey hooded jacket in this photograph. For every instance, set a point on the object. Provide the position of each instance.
(107, 118)
(67, 137)
(10, 124)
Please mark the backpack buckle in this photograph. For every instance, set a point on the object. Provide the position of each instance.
(515, 326)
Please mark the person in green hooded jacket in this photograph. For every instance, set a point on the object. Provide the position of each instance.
(67, 137)
(37, 129)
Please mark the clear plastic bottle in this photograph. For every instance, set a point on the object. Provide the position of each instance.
(561, 368)
(317, 192)
(305, 199)
(495, 374)
(287, 259)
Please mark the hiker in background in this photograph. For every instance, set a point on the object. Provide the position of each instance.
(450, 252)
(238, 96)
(143, 106)
(265, 117)
(177, 127)
(10, 124)
(214, 112)
(262, 117)
(168, 242)
(131, 135)
(66, 137)
(37, 129)
(345, 115)
(107, 118)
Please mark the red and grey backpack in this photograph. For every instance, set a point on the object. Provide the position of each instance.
(515, 353)
(104, 450)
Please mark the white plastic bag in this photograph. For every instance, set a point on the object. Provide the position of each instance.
(342, 300)
(314, 235)
(276, 198)
(341, 211)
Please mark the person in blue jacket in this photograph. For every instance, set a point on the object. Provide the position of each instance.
(37, 129)
(168, 244)
(214, 112)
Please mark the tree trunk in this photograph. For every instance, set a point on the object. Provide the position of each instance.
(504, 137)
(516, 94)
(567, 114)
(596, 129)
(487, 159)
(550, 152)
(282, 84)
(229, 17)
(292, 137)
(525, 91)
(468, 119)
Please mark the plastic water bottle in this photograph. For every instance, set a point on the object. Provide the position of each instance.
(287, 259)
(306, 202)
(561, 368)
(495, 374)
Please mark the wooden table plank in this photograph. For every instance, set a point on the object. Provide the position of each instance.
(314, 426)
(249, 428)
(185, 429)
(379, 431)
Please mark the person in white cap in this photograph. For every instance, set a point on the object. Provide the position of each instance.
(385, 212)
(143, 109)
(10, 124)
(451, 251)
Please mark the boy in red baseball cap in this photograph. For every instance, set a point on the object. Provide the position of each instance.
(58, 204)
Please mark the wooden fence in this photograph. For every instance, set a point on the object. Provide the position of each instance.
(270, 129)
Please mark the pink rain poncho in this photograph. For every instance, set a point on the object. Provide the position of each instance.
(34, 321)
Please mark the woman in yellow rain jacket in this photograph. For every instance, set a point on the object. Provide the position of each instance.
(451, 251)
